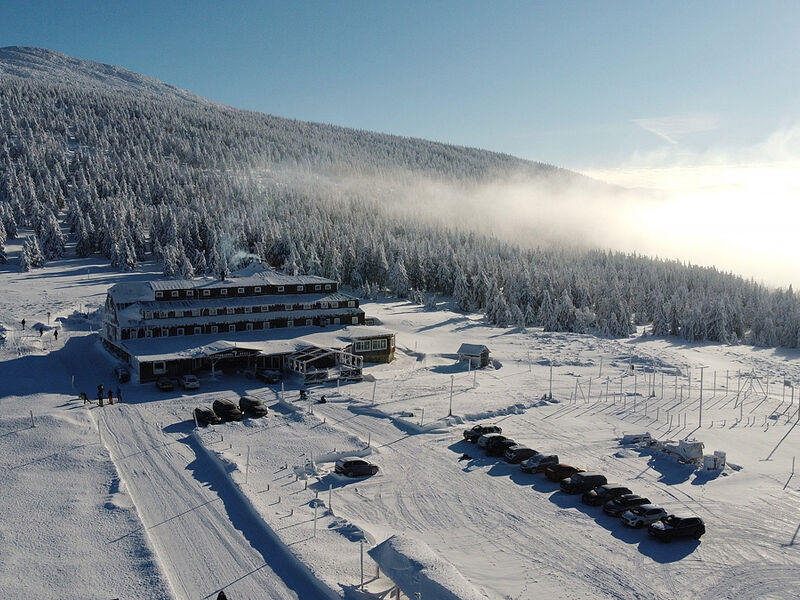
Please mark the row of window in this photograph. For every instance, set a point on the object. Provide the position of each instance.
(212, 312)
(367, 345)
(241, 291)
(133, 333)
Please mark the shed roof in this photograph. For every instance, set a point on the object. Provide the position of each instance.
(472, 349)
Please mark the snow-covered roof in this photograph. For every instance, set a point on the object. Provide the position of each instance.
(267, 341)
(472, 349)
(359, 332)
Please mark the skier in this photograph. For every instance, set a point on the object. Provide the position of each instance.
(322, 400)
(84, 397)
(23, 323)
(111, 396)
(55, 334)
(100, 393)
(119, 394)
(303, 395)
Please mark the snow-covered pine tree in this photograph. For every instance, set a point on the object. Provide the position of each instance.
(52, 240)
(31, 256)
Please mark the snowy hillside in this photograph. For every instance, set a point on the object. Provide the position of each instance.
(131, 502)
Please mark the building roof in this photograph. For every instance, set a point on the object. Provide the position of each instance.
(254, 275)
(283, 340)
(472, 349)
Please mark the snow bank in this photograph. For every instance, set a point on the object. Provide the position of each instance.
(415, 568)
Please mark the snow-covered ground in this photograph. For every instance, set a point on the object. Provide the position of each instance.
(157, 510)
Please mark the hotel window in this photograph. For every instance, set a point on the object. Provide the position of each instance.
(379, 344)
(249, 327)
(148, 314)
(180, 331)
(164, 332)
(162, 314)
(195, 312)
(159, 294)
(362, 346)
(212, 312)
(159, 368)
(230, 311)
(256, 290)
(327, 286)
(336, 321)
(190, 292)
(334, 305)
(290, 323)
(266, 324)
(288, 306)
(240, 291)
(300, 288)
(174, 293)
(198, 330)
(317, 288)
(248, 309)
(206, 293)
(148, 333)
(355, 320)
(351, 303)
(265, 309)
(214, 329)
(323, 305)
(307, 306)
(223, 292)
(309, 322)
(280, 288)
(232, 328)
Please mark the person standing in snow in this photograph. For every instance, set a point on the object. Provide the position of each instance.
(55, 334)
(111, 396)
(119, 394)
(41, 331)
(23, 323)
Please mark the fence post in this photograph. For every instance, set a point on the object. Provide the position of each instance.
(33, 424)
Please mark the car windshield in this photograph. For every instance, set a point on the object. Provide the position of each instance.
(638, 510)
(671, 520)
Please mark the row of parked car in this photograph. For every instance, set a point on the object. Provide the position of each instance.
(617, 500)
(226, 410)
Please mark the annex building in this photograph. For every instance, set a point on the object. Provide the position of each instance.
(256, 319)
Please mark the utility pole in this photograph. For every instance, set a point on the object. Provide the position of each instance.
(700, 419)
(550, 394)
(450, 412)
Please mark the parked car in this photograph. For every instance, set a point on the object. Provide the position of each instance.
(561, 471)
(582, 482)
(643, 515)
(516, 454)
(539, 463)
(227, 410)
(472, 435)
(485, 439)
(165, 384)
(269, 376)
(603, 493)
(252, 407)
(190, 382)
(122, 373)
(351, 466)
(620, 504)
(499, 448)
(672, 527)
(206, 416)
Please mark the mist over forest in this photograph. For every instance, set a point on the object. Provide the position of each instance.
(139, 170)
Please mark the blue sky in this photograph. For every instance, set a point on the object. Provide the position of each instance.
(577, 84)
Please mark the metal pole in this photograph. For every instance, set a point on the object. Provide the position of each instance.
(635, 383)
(196, 424)
(550, 395)
(422, 417)
(700, 417)
(247, 465)
(32, 422)
(450, 411)
(783, 396)
(374, 386)
(600, 374)
(330, 497)
(474, 378)
(362, 565)
(529, 362)
(590, 389)
(315, 519)
(283, 397)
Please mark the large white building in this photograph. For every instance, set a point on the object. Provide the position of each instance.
(257, 319)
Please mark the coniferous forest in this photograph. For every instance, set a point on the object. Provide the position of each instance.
(137, 171)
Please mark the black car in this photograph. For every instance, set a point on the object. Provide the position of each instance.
(582, 482)
(206, 416)
(516, 454)
(269, 376)
(165, 384)
(122, 373)
(499, 448)
(227, 410)
(620, 504)
(472, 435)
(603, 493)
(252, 407)
(351, 466)
(672, 527)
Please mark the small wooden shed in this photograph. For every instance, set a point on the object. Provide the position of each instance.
(476, 354)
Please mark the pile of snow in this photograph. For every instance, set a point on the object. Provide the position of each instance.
(415, 568)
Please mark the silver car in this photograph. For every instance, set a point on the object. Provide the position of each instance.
(643, 515)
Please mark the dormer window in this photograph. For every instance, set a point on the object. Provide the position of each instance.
(223, 292)
(317, 288)
(162, 314)
(288, 306)
(327, 286)
(229, 310)
(206, 293)
(300, 288)
(351, 303)
(159, 294)
(240, 291)
(280, 289)
(306, 306)
(212, 312)
(334, 305)
(257, 290)
(190, 293)
(174, 293)
(148, 314)
(248, 309)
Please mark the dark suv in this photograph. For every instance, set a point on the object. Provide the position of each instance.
(582, 482)
(672, 527)
(499, 447)
(603, 493)
(516, 454)
(561, 471)
(620, 504)
(472, 435)
(350, 466)
(227, 410)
